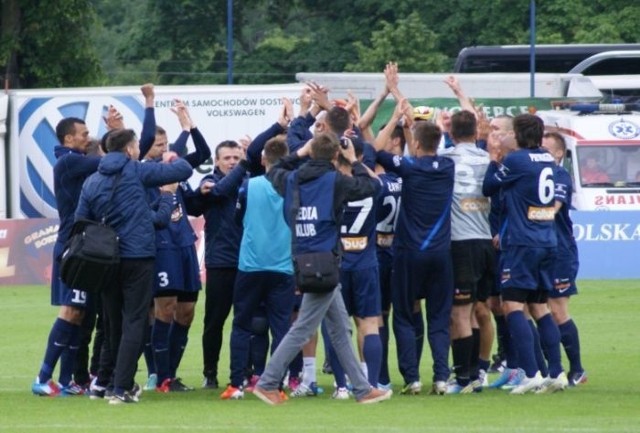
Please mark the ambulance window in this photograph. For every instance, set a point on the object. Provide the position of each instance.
(606, 166)
(631, 158)
(595, 164)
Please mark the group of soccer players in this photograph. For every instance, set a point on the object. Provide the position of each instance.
(470, 215)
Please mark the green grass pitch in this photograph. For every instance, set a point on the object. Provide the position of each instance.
(606, 312)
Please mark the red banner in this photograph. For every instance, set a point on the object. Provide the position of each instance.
(26, 249)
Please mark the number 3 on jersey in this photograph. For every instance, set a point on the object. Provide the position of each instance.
(163, 279)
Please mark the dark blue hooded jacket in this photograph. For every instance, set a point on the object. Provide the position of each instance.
(129, 213)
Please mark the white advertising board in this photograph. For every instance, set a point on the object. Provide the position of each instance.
(220, 112)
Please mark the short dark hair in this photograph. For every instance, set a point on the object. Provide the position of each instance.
(398, 132)
(275, 149)
(229, 144)
(338, 120)
(428, 135)
(160, 130)
(324, 146)
(119, 139)
(528, 130)
(67, 126)
(559, 139)
(103, 140)
(463, 124)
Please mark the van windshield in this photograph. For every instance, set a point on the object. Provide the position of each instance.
(609, 165)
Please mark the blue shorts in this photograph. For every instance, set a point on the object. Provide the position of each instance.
(566, 271)
(528, 268)
(361, 292)
(177, 269)
(61, 294)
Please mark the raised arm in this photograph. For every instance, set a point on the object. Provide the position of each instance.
(254, 151)
(305, 101)
(366, 120)
(385, 134)
(113, 119)
(392, 78)
(202, 151)
(148, 134)
(465, 102)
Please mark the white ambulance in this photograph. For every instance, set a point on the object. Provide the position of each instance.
(603, 153)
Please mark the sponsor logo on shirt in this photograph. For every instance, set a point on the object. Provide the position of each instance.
(384, 240)
(354, 243)
(480, 204)
(541, 213)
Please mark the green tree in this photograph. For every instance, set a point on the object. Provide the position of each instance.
(48, 44)
(185, 37)
(271, 60)
(407, 42)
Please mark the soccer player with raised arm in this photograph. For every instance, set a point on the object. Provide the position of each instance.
(526, 177)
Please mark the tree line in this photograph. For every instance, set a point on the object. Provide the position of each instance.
(71, 43)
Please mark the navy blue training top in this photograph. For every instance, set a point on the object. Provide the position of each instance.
(424, 221)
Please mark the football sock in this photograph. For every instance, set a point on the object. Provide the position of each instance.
(148, 352)
(571, 342)
(511, 351)
(98, 342)
(309, 370)
(81, 364)
(372, 352)
(522, 339)
(69, 355)
(537, 347)
(483, 364)
(502, 334)
(160, 343)
(338, 371)
(418, 326)
(461, 349)
(59, 337)
(178, 338)
(475, 353)
(550, 340)
(384, 339)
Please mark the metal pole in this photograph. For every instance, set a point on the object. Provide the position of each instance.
(532, 48)
(229, 41)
